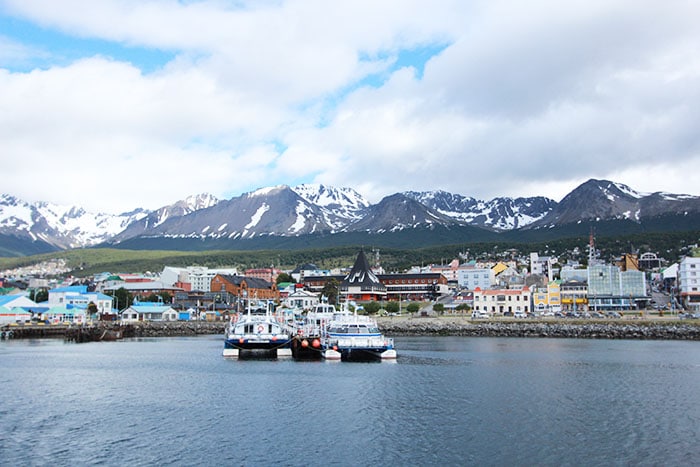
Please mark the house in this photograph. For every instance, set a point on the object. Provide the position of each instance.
(301, 298)
(14, 315)
(66, 315)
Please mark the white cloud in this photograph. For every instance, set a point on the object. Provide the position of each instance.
(525, 99)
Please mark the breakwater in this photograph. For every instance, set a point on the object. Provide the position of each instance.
(613, 329)
(617, 329)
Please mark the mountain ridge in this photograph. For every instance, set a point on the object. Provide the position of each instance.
(311, 212)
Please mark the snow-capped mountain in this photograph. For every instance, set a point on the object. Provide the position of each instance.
(60, 226)
(498, 213)
(605, 200)
(307, 210)
(339, 205)
(159, 216)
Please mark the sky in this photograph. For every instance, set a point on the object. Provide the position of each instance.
(117, 104)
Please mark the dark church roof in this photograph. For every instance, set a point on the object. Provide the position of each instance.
(361, 275)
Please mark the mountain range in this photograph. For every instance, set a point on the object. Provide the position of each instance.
(318, 215)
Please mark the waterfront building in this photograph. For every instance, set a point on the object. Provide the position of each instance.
(361, 284)
(611, 288)
(301, 298)
(574, 295)
(78, 296)
(502, 301)
(689, 283)
(149, 311)
(547, 298)
(425, 286)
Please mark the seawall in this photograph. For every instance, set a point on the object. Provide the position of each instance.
(393, 327)
(614, 329)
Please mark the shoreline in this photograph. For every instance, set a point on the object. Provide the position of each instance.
(671, 329)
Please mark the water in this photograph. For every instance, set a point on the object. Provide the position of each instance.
(446, 401)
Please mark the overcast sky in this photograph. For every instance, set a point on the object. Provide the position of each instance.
(118, 104)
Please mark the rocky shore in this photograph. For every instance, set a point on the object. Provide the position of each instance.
(614, 329)
(399, 326)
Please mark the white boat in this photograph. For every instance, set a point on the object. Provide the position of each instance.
(351, 336)
(258, 330)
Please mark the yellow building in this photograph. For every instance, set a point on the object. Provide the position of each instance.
(548, 299)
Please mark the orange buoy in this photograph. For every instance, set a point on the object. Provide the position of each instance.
(274, 338)
(305, 343)
(241, 340)
(335, 347)
(316, 344)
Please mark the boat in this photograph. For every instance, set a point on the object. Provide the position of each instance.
(310, 330)
(258, 331)
(356, 337)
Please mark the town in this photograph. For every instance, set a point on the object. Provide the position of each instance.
(536, 287)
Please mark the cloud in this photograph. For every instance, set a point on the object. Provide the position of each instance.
(499, 98)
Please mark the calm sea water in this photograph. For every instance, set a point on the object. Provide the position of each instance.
(446, 401)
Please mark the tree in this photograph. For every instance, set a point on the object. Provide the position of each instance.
(439, 307)
(284, 277)
(39, 295)
(330, 291)
(122, 298)
(413, 307)
(372, 308)
(92, 309)
(392, 307)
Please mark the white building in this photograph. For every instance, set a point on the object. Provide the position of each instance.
(78, 296)
(472, 277)
(689, 283)
(301, 299)
(198, 277)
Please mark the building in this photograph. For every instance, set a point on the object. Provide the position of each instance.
(149, 311)
(471, 277)
(144, 289)
(574, 295)
(244, 287)
(548, 298)
(198, 278)
(450, 271)
(689, 283)
(419, 286)
(500, 301)
(361, 284)
(267, 274)
(302, 299)
(77, 296)
(611, 288)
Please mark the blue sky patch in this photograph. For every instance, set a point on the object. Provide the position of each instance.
(45, 48)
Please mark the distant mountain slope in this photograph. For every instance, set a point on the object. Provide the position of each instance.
(498, 213)
(315, 215)
(605, 200)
